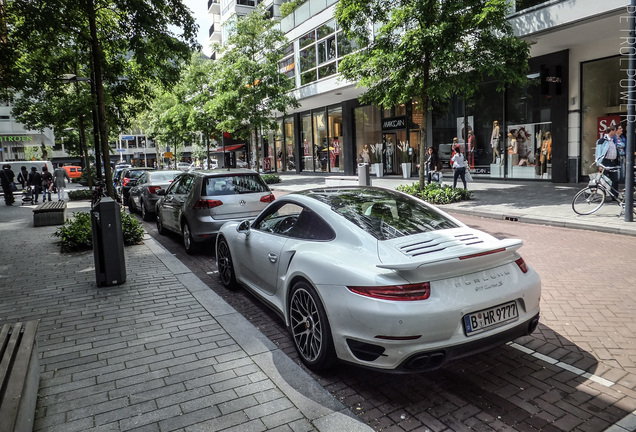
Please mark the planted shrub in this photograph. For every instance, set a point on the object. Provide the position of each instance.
(271, 178)
(79, 194)
(77, 234)
(435, 194)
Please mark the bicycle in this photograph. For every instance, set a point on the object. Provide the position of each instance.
(98, 193)
(591, 198)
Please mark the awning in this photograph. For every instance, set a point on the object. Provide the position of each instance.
(229, 148)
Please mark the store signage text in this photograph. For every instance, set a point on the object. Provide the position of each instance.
(16, 138)
(394, 123)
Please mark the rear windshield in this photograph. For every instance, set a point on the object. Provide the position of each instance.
(135, 174)
(159, 176)
(233, 184)
(383, 213)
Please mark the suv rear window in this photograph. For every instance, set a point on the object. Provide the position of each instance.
(233, 184)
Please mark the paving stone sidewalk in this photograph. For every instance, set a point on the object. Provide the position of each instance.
(160, 352)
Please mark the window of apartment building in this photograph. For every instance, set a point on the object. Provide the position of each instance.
(288, 64)
(318, 53)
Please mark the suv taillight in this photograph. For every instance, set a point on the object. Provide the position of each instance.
(268, 198)
(207, 204)
(125, 181)
(153, 189)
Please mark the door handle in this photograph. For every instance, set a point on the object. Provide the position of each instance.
(272, 257)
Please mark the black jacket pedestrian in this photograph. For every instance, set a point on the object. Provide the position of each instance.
(6, 178)
(35, 181)
(23, 177)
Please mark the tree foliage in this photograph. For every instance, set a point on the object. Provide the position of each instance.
(124, 46)
(249, 88)
(428, 50)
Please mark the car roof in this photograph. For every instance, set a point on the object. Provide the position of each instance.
(222, 172)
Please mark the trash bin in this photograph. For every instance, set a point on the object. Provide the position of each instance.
(108, 243)
(364, 178)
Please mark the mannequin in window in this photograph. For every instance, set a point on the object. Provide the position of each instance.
(472, 147)
(546, 152)
(494, 141)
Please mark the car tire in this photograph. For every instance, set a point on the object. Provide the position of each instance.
(145, 214)
(160, 228)
(225, 264)
(310, 328)
(188, 242)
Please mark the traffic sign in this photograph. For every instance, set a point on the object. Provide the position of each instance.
(121, 150)
(167, 155)
(126, 137)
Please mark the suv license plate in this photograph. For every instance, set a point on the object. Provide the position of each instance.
(483, 320)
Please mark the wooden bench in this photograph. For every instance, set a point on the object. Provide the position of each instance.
(49, 213)
(19, 376)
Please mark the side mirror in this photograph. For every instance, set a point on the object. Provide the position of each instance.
(161, 192)
(244, 227)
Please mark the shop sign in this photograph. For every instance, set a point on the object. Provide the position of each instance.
(394, 123)
(127, 138)
(16, 138)
(605, 122)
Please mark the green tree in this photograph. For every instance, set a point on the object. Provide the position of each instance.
(249, 87)
(428, 50)
(124, 46)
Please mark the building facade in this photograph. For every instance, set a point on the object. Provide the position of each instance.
(547, 130)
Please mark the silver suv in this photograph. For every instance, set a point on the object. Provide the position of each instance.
(198, 203)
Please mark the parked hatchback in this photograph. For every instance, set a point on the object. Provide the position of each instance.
(198, 203)
(128, 179)
(143, 196)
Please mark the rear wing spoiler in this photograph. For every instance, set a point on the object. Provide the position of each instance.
(503, 249)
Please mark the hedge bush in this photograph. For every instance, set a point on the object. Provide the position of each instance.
(271, 178)
(436, 194)
(80, 194)
(77, 233)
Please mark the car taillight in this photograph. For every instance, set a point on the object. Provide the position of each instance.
(207, 204)
(412, 292)
(126, 181)
(522, 265)
(153, 189)
(268, 198)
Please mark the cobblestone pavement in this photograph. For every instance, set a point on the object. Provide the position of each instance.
(160, 352)
(576, 372)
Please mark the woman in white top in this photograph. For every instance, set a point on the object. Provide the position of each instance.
(459, 165)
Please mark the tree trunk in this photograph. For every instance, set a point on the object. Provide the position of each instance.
(257, 148)
(424, 125)
(99, 89)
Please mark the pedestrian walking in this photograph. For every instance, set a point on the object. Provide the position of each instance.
(432, 164)
(59, 178)
(47, 182)
(23, 176)
(621, 144)
(35, 181)
(6, 178)
(459, 167)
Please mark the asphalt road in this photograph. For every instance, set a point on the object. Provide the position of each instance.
(576, 372)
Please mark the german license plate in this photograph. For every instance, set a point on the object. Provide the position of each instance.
(483, 320)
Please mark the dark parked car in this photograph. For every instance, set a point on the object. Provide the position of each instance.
(143, 196)
(199, 202)
(128, 179)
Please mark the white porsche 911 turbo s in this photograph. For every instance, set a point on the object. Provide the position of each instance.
(379, 278)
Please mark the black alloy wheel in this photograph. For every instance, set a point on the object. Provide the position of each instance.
(225, 264)
(310, 328)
